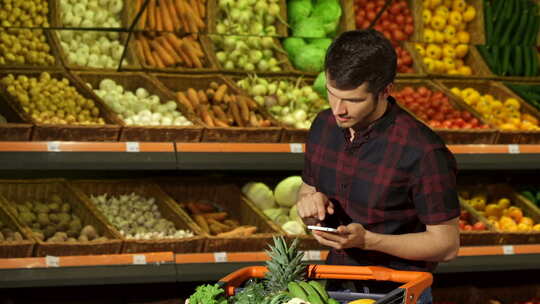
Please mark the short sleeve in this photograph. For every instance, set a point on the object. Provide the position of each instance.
(434, 187)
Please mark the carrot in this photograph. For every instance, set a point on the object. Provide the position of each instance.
(147, 52)
(206, 207)
(227, 98)
(177, 43)
(219, 113)
(206, 117)
(265, 123)
(201, 221)
(194, 7)
(243, 108)
(220, 216)
(194, 102)
(220, 123)
(202, 96)
(212, 221)
(236, 114)
(158, 60)
(202, 9)
(193, 208)
(185, 101)
(190, 18)
(193, 96)
(181, 9)
(239, 231)
(170, 49)
(159, 19)
(196, 46)
(231, 223)
(139, 48)
(189, 52)
(167, 59)
(251, 103)
(137, 9)
(151, 15)
(165, 14)
(221, 91)
(174, 15)
(253, 120)
(197, 14)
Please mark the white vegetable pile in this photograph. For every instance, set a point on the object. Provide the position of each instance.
(139, 108)
(91, 48)
(278, 205)
(256, 19)
(137, 217)
(293, 104)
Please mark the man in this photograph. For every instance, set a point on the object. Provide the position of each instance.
(384, 179)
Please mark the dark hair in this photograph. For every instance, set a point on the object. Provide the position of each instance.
(361, 56)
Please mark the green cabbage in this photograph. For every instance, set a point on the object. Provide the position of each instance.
(297, 10)
(260, 194)
(310, 27)
(322, 43)
(274, 213)
(286, 191)
(293, 45)
(311, 59)
(293, 214)
(319, 85)
(329, 11)
(293, 227)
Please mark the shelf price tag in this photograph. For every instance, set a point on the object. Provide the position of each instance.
(513, 149)
(52, 261)
(296, 148)
(139, 259)
(508, 250)
(220, 257)
(314, 255)
(53, 146)
(306, 255)
(132, 146)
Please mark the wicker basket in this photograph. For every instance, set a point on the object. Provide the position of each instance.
(133, 80)
(14, 249)
(18, 191)
(15, 129)
(478, 238)
(229, 198)
(454, 136)
(176, 83)
(502, 190)
(499, 91)
(54, 48)
(166, 206)
(65, 132)
(417, 65)
(57, 23)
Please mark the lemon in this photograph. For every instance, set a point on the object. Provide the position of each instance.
(461, 50)
(438, 37)
(463, 37)
(437, 22)
(513, 103)
(426, 16)
(429, 36)
(420, 49)
(363, 301)
(459, 63)
(442, 11)
(434, 3)
(465, 70)
(453, 72)
(459, 5)
(439, 66)
(489, 98)
(455, 18)
(468, 92)
(448, 51)
(456, 91)
(449, 63)
(449, 33)
(430, 64)
(433, 51)
(469, 13)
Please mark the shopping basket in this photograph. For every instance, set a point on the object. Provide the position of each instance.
(414, 283)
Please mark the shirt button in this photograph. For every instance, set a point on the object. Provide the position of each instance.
(343, 186)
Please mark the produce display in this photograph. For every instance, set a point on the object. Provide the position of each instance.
(19, 44)
(139, 107)
(446, 37)
(215, 221)
(53, 220)
(532, 194)
(468, 223)
(313, 24)
(3, 120)
(245, 35)
(291, 103)
(218, 107)
(396, 23)
(511, 29)
(278, 205)
(505, 114)
(9, 235)
(500, 211)
(434, 108)
(137, 217)
(95, 49)
(160, 45)
(52, 101)
(529, 93)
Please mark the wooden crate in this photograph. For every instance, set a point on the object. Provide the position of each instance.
(15, 129)
(65, 132)
(14, 249)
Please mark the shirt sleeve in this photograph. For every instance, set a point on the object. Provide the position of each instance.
(308, 174)
(434, 187)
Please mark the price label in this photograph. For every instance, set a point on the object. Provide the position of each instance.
(508, 249)
(53, 146)
(513, 149)
(132, 146)
(296, 148)
(306, 255)
(220, 257)
(139, 259)
(314, 255)
(52, 261)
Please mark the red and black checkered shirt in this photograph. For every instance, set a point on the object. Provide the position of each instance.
(395, 177)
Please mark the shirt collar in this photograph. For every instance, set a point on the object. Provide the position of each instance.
(375, 128)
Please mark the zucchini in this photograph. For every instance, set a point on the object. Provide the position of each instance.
(517, 60)
(482, 49)
(520, 31)
(488, 22)
(510, 28)
(529, 196)
(527, 60)
(496, 60)
(498, 7)
(534, 56)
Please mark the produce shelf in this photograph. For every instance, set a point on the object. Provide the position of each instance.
(168, 267)
(219, 156)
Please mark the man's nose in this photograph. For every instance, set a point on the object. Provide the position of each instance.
(340, 108)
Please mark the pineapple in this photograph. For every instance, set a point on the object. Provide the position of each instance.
(285, 265)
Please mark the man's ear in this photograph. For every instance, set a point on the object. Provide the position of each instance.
(387, 91)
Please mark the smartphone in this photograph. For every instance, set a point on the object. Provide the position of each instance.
(325, 229)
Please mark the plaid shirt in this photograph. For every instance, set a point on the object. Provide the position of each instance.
(395, 177)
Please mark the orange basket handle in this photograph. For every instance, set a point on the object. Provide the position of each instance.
(238, 277)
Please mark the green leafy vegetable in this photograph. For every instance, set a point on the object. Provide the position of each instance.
(293, 46)
(252, 294)
(297, 10)
(320, 85)
(310, 27)
(311, 59)
(208, 294)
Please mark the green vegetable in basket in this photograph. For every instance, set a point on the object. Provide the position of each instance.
(329, 12)
(311, 59)
(320, 85)
(322, 43)
(297, 10)
(253, 293)
(529, 196)
(310, 27)
(208, 294)
(293, 46)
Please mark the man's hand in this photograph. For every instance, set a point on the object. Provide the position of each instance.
(314, 205)
(350, 236)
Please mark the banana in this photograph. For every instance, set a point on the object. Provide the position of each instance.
(297, 291)
(313, 296)
(320, 289)
(280, 298)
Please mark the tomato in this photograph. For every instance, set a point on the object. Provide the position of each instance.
(385, 24)
(409, 20)
(467, 126)
(395, 8)
(431, 113)
(385, 16)
(393, 26)
(466, 115)
(378, 28)
(434, 124)
(439, 116)
(438, 95)
(474, 122)
(386, 34)
(361, 13)
(422, 116)
(446, 124)
(408, 90)
(371, 15)
(406, 11)
(400, 19)
(409, 29)
(423, 91)
(459, 122)
(380, 3)
(365, 24)
(398, 35)
(370, 6)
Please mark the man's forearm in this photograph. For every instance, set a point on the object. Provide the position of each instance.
(421, 246)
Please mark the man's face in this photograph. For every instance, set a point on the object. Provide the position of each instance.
(352, 106)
